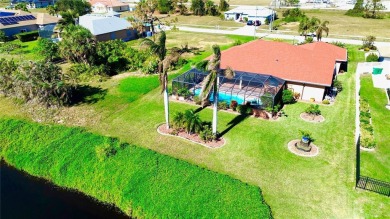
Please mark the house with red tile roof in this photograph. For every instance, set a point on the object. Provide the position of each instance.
(105, 6)
(308, 69)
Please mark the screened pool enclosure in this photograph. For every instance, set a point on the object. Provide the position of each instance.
(258, 89)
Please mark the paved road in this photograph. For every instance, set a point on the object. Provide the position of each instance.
(250, 31)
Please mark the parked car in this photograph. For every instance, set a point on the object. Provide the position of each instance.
(249, 23)
(257, 23)
(313, 34)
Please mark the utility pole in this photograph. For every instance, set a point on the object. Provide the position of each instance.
(254, 31)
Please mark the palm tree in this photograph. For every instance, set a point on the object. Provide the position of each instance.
(211, 82)
(308, 25)
(322, 28)
(193, 123)
(160, 50)
(68, 17)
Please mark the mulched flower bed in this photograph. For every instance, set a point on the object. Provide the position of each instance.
(162, 129)
(292, 148)
(310, 118)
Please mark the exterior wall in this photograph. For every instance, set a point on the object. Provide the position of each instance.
(124, 35)
(241, 16)
(15, 30)
(120, 8)
(99, 8)
(307, 91)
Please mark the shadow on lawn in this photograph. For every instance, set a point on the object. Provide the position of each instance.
(235, 121)
(87, 94)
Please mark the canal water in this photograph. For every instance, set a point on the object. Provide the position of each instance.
(25, 196)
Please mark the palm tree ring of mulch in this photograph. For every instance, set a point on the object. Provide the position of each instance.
(312, 118)
(162, 129)
(293, 149)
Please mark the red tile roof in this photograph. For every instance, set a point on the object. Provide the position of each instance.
(309, 63)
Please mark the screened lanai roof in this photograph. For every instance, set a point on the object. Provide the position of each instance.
(247, 86)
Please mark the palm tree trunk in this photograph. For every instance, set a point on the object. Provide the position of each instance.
(166, 101)
(215, 108)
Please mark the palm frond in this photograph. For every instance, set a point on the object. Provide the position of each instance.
(202, 65)
(229, 73)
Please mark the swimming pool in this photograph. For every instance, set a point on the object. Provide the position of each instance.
(4, 13)
(223, 97)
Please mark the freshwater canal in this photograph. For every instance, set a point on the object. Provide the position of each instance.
(24, 196)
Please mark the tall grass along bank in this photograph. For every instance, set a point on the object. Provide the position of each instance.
(141, 182)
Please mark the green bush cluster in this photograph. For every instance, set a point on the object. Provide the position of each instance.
(339, 44)
(338, 84)
(293, 15)
(244, 109)
(327, 102)
(192, 124)
(372, 57)
(313, 109)
(27, 36)
(288, 96)
(366, 130)
(223, 105)
(141, 182)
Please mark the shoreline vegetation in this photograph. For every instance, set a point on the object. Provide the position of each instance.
(141, 182)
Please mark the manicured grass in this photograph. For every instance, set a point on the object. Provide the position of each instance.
(256, 150)
(26, 52)
(377, 164)
(141, 182)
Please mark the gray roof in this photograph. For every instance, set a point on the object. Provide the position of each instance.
(101, 24)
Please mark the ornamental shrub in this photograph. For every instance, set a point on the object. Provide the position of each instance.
(27, 36)
(313, 109)
(372, 57)
(326, 102)
(288, 96)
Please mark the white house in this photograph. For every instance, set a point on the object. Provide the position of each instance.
(104, 6)
(251, 12)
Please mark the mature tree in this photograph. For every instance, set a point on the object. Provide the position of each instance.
(357, 10)
(307, 25)
(144, 12)
(68, 18)
(81, 7)
(322, 28)
(111, 54)
(223, 5)
(372, 9)
(210, 8)
(48, 49)
(164, 6)
(160, 50)
(181, 6)
(8, 67)
(21, 6)
(211, 82)
(198, 7)
(42, 82)
(52, 10)
(77, 45)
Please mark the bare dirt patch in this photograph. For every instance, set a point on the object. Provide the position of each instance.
(310, 118)
(162, 129)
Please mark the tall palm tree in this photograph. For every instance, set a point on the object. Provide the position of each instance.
(68, 17)
(308, 25)
(159, 49)
(211, 82)
(322, 28)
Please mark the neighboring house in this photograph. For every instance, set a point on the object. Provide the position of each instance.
(251, 12)
(308, 69)
(108, 27)
(104, 6)
(25, 22)
(34, 3)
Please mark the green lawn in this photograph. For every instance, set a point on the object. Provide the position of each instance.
(377, 164)
(26, 52)
(256, 150)
(141, 182)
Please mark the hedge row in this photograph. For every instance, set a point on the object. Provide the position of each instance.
(28, 36)
(139, 181)
(366, 129)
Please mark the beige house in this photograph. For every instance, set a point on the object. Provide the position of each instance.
(308, 69)
(105, 6)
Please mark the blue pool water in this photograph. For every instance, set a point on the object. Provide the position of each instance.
(223, 97)
(3, 13)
